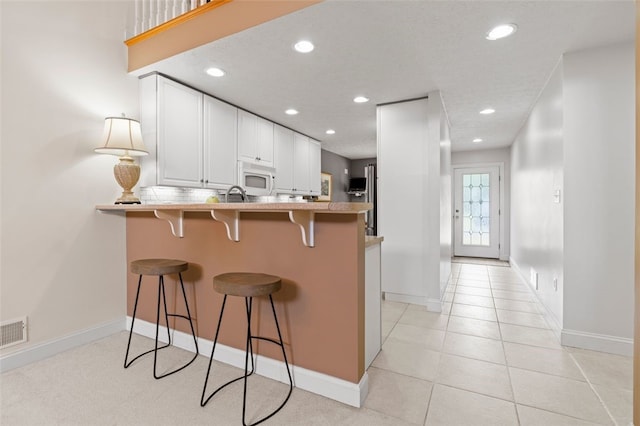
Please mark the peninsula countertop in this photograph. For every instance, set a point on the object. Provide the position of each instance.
(317, 207)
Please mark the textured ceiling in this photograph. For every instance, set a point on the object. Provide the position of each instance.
(395, 50)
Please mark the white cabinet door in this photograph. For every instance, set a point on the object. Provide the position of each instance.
(301, 164)
(283, 159)
(265, 142)
(179, 134)
(220, 139)
(255, 139)
(315, 157)
(247, 136)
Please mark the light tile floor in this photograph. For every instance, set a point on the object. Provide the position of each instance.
(488, 359)
(493, 360)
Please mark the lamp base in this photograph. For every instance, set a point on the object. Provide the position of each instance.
(127, 173)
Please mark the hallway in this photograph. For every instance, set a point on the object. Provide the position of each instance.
(488, 359)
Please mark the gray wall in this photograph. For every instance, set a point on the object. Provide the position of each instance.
(357, 166)
(357, 170)
(335, 165)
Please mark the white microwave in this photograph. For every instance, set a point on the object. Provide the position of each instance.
(256, 179)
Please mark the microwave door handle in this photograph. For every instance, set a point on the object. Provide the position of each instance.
(272, 179)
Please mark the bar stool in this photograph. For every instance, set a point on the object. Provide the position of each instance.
(160, 267)
(247, 285)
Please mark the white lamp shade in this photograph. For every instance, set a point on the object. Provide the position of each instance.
(122, 136)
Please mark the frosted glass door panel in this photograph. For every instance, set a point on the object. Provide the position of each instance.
(476, 212)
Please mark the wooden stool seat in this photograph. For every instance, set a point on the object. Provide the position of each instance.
(158, 266)
(246, 284)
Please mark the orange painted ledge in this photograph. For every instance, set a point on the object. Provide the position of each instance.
(203, 25)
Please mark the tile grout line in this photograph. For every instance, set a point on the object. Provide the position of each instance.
(538, 307)
(504, 352)
(593, 389)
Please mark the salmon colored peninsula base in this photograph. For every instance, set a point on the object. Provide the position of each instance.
(320, 306)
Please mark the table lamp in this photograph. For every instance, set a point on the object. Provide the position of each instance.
(122, 136)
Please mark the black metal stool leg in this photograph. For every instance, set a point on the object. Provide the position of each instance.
(161, 296)
(280, 343)
(162, 302)
(249, 305)
(204, 401)
(186, 304)
(133, 320)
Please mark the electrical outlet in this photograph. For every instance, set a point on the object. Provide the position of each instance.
(555, 284)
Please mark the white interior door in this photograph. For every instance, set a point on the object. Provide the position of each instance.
(476, 212)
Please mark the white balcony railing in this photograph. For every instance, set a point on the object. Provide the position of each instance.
(152, 13)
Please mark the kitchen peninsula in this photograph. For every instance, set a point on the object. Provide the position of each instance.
(318, 249)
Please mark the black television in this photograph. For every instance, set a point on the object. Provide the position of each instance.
(358, 184)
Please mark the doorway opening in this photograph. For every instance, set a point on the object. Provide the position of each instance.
(477, 198)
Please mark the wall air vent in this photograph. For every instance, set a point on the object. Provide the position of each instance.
(13, 332)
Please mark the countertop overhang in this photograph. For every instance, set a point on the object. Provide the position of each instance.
(301, 214)
(318, 207)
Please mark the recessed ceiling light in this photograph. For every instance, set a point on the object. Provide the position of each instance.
(501, 31)
(360, 99)
(487, 111)
(477, 140)
(304, 46)
(330, 132)
(291, 111)
(215, 72)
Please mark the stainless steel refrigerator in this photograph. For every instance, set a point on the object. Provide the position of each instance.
(372, 185)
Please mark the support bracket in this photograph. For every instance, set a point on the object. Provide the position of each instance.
(231, 220)
(175, 219)
(305, 220)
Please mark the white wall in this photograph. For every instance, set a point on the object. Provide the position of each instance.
(63, 71)
(536, 172)
(445, 187)
(599, 181)
(493, 156)
(579, 139)
(417, 247)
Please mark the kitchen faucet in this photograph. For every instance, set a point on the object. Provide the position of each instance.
(239, 188)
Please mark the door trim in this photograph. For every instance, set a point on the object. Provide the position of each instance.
(501, 253)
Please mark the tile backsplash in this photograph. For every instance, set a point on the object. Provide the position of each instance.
(167, 194)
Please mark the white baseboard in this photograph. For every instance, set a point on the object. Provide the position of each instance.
(597, 342)
(433, 305)
(580, 339)
(322, 384)
(47, 349)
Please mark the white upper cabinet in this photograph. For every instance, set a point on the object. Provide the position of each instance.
(315, 158)
(195, 140)
(301, 164)
(265, 142)
(283, 158)
(179, 134)
(191, 137)
(297, 162)
(219, 147)
(255, 139)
